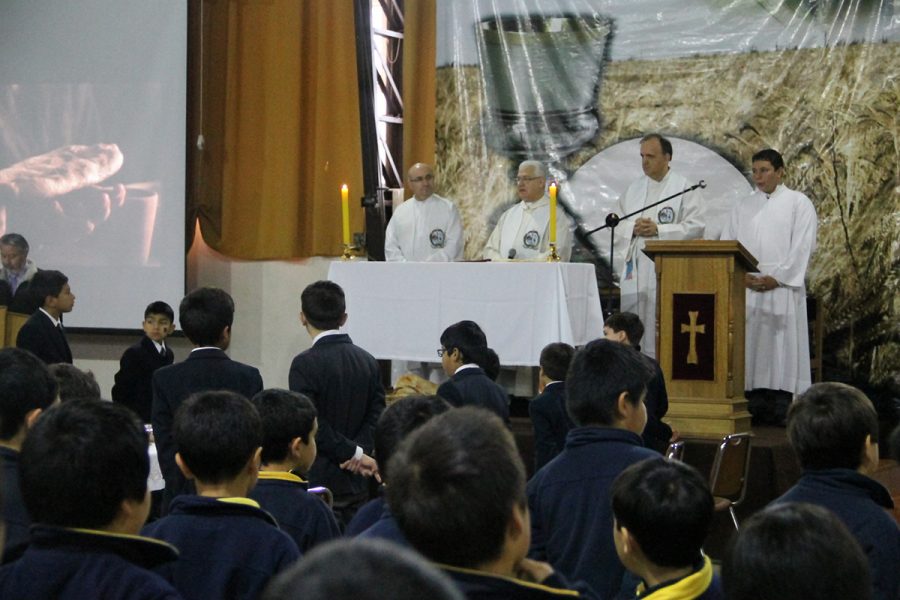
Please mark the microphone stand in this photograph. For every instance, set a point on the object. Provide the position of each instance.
(612, 221)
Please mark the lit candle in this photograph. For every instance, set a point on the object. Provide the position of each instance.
(553, 213)
(345, 213)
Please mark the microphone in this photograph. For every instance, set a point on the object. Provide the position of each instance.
(702, 184)
(512, 253)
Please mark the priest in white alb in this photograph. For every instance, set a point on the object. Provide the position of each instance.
(425, 228)
(681, 218)
(523, 231)
(778, 226)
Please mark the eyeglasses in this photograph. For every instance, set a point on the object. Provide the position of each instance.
(527, 179)
(423, 178)
(442, 351)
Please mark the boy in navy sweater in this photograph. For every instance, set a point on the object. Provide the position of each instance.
(26, 389)
(663, 510)
(84, 481)
(396, 422)
(289, 445)
(133, 384)
(571, 516)
(833, 428)
(229, 547)
(457, 489)
(626, 328)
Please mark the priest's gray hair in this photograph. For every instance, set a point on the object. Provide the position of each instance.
(537, 165)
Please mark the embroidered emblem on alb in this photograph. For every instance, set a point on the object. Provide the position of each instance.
(531, 240)
(666, 215)
(437, 238)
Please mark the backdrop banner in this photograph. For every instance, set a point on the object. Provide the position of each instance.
(576, 83)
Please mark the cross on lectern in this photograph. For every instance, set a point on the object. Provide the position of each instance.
(693, 329)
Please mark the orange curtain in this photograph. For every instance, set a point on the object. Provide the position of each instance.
(419, 87)
(279, 114)
(275, 98)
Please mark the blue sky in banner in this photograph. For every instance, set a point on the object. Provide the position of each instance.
(657, 29)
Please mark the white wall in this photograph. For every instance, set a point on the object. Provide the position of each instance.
(266, 331)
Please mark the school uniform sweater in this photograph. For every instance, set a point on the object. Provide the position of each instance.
(301, 515)
(386, 528)
(862, 504)
(477, 585)
(701, 584)
(365, 517)
(12, 507)
(229, 548)
(571, 511)
(62, 564)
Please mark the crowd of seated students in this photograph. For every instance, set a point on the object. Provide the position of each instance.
(605, 516)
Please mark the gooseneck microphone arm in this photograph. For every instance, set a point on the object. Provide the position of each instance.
(612, 220)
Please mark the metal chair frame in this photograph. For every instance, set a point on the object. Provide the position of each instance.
(728, 477)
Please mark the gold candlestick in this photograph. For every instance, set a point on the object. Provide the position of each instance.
(347, 255)
(553, 257)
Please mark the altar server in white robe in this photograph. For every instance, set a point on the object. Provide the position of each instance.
(522, 233)
(681, 218)
(778, 226)
(425, 228)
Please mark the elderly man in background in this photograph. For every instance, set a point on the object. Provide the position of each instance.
(17, 271)
(425, 228)
(523, 230)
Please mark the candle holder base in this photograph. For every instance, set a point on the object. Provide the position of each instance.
(553, 257)
(348, 254)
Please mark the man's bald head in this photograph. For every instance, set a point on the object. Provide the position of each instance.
(421, 180)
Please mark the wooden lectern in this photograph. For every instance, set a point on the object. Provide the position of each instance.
(700, 333)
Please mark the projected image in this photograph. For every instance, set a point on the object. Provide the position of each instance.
(74, 201)
(92, 148)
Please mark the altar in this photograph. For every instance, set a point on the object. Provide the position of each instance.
(398, 311)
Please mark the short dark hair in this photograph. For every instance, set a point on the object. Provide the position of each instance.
(667, 507)
(16, 240)
(45, 283)
(827, 426)
(323, 304)
(454, 483)
(600, 372)
(216, 433)
(469, 339)
(74, 384)
(628, 322)
(399, 420)
(771, 156)
(204, 314)
(795, 551)
(380, 569)
(25, 385)
(664, 143)
(159, 308)
(490, 364)
(80, 461)
(284, 416)
(555, 360)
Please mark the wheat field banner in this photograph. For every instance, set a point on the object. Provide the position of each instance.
(576, 83)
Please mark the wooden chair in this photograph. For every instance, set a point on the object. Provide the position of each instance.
(675, 451)
(728, 478)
